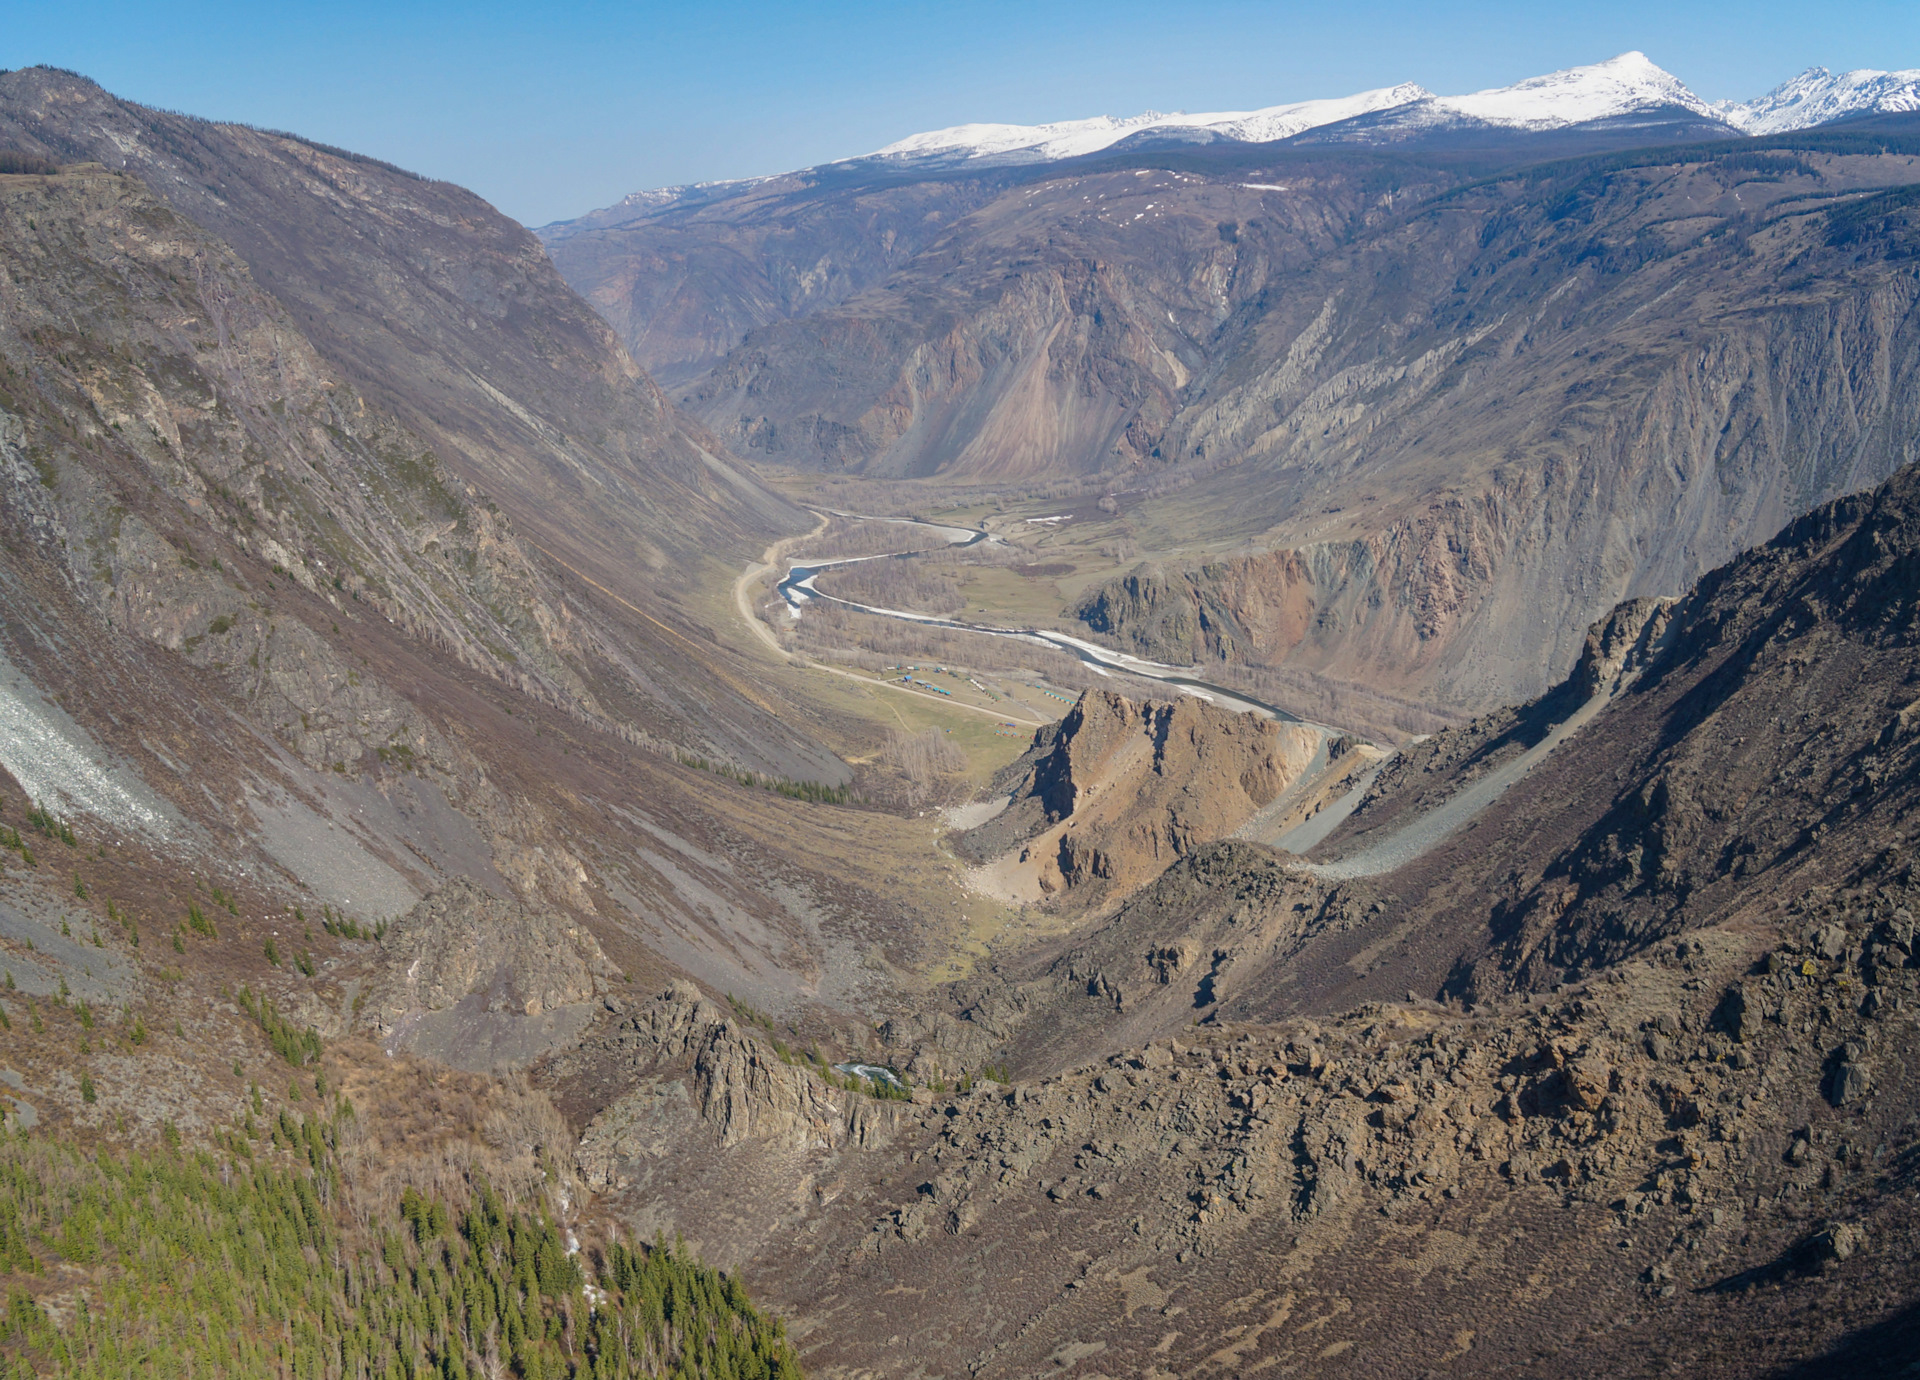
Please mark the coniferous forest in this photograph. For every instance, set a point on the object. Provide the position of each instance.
(252, 1262)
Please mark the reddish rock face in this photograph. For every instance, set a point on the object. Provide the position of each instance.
(1121, 789)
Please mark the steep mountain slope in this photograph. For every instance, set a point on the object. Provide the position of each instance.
(303, 741)
(256, 628)
(1052, 331)
(684, 279)
(1481, 426)
(685, 273)
(1656, 1114)
(445, 315)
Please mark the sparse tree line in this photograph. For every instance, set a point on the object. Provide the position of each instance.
(923, 582)
(14, 163)
(927, 764)
(912, 498)
(284, 1250)
(816, 791)
(905, 583)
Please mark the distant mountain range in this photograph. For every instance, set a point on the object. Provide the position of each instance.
(1624, 86)
(1374, 347)
(1623, 91)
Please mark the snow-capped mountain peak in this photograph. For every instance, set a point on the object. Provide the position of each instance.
(1578, 95)
(1817, 96)
(1617, 90)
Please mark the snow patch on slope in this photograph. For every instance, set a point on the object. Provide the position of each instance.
(1619, 86)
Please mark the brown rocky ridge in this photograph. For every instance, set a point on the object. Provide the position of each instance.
(1117, 791)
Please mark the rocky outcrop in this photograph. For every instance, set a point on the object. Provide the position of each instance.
(697, 1068)
(463, 942)
(1619, 645)
(930, 1045)
(1613, 1157)
(1118, 790)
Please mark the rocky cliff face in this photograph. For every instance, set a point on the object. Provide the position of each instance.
(1115, 792)
(1466, 436)
(685, 279)
(1051, 330)
(481, 982)
(737, 1084)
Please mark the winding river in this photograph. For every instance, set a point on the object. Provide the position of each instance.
(1414, 839)
(797, 590)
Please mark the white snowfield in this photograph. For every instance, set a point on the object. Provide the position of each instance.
(1072, 138)
(1625, 85)
(1618, 86)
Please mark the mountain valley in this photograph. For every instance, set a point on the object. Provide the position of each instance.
(1276, 742)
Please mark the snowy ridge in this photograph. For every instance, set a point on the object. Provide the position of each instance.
(1624, 86)
(1578, 95)
(1073, 138)
(653, 198)
(1817, 96)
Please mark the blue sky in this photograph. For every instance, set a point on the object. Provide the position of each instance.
(552, 110)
